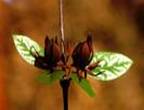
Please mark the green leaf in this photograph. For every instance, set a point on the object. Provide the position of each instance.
(25, 45)
(50, 78)
(112, 65)
(84, 84)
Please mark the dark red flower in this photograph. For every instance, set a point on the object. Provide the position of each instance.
(82, 55)
(52, 55)
(52, 52)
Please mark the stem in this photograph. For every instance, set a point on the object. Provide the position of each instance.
(65, 83)
(61, 20)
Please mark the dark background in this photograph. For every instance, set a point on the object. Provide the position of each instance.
(117, 25)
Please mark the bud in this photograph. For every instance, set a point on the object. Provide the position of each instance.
(52, 51)
(82, 54)
(52, 55)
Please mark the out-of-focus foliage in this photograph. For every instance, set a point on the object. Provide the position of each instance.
(84, 84)
(49, 78)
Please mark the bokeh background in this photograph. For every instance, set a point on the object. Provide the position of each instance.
(117, 25)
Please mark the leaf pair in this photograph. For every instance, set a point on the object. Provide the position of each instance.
(111, 66)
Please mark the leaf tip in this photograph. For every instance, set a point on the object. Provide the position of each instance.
(15, 36)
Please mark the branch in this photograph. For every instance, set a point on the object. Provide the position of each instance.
(61, 20)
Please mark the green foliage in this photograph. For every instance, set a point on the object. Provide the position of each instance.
(112, 65)
(49, 78)
(84, 84)
(25, 46)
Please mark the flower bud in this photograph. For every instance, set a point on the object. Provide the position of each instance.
(82, 54)
(52, 51)
(52, 55)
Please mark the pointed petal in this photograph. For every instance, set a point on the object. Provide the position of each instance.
(47, 46)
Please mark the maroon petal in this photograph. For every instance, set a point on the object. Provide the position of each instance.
(47, 47)
(55, 53)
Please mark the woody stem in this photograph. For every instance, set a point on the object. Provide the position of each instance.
(65, 83)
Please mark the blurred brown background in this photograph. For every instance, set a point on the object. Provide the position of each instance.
(117, 25)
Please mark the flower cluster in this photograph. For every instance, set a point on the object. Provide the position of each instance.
(53, 58)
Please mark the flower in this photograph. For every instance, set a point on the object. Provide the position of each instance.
(53, 58)
(52, 55)
(82, 56)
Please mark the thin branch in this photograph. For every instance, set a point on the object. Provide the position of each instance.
(61, 24)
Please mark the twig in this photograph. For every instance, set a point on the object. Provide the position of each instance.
(61, 20)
